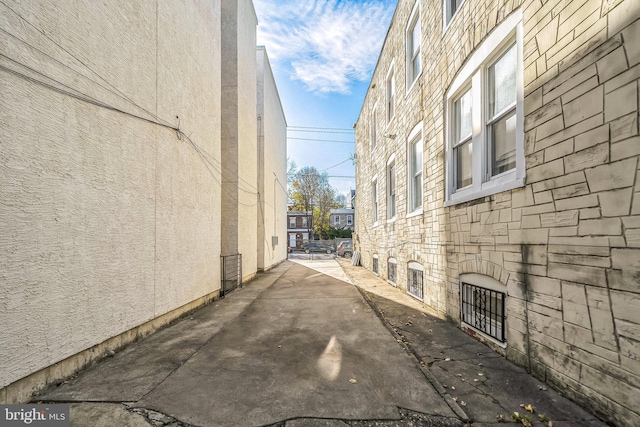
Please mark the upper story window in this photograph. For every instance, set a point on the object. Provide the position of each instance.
(485, 118)
(391, 190)
(390, 95)
(374, 202)
(372, 130)
(414, 33)
(305, 221)
(349, 219)
(414, 162)
(449, 9)
(292, 222)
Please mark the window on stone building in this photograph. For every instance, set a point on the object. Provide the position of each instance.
(375, 264)
(292, 222)
(392, 271)
(414, 280)
(483, 302)
(414, 161)
(336, 220)
(373, 128)
(485, 118)
(349, 219)
(391, 94)
(391, 190)
(374, 202)
(414, 66)
(449, 9)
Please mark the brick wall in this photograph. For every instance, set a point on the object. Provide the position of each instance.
(565, 246)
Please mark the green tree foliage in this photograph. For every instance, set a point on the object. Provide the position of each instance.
(311, 192)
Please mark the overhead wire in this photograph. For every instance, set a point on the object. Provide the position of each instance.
(320, 140)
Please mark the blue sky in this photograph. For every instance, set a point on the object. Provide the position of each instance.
(323, 53)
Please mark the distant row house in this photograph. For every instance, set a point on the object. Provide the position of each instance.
(141, 142)
(299, 228)
(342, 218)
(498, 156)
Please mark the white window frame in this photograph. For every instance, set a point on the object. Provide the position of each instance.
(390, 94)
(374, 201)
(492, 284)
(305, 222)
(391, 193)
(448, 14)
(473, 75)
(415, 137)
(412, 53)
(349, 219)
(336, 220)
(292, 222)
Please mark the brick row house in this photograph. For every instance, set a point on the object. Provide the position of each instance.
(497, 178)
(299, 228)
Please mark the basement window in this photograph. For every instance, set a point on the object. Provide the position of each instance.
(375, 265)
(415, 273)
(483, 305)
(392, 271)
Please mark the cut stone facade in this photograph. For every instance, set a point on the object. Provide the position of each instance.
(562, 241)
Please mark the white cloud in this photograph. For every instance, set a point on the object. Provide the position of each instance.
(326, 43)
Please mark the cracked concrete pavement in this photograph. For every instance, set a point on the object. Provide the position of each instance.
(295, 347)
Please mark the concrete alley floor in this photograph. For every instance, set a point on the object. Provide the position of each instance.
(296, 347)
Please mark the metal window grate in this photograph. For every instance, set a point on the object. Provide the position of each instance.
(375, 265)
(231, 272)
(414, 283)
(483, 309)
(392, 272)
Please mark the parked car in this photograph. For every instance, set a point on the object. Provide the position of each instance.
(345, 249)
(316, 247)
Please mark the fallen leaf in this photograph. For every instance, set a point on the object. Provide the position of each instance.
(453, 388)
(462, 403)
(353, 381)
(529, 408)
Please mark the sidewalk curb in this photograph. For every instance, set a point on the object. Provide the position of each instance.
(434, 382)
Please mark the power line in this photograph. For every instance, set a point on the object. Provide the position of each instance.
(321, 140)
(338, 164)
(317, 128)
(320, 131)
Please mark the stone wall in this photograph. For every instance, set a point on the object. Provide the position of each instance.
(565, 246)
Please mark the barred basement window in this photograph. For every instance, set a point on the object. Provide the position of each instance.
(392, 271)
(414, 280)
(375, 264)
(483, 310)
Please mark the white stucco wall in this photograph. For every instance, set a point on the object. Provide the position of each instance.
(106, 220)
(272, 162)
(247, 141)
